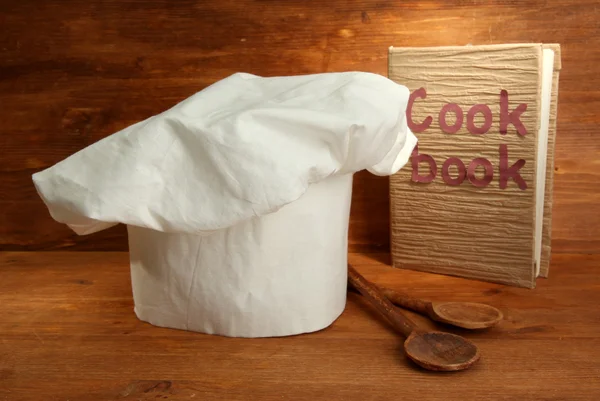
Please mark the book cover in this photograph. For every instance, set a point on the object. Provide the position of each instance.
(473, 201)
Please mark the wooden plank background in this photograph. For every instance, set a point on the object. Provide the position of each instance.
(74, 72)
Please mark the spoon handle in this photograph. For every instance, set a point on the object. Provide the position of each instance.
(405, 301)
(400, 322)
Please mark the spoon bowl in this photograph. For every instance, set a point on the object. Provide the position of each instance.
(439, 351)
(468, 315)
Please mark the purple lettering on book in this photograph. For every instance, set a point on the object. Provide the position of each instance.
(453, 161)
(488, 172)
(454, 108)
(505, 172)
(510, 172)
(414, 127)
(487, 119)
(513, 117)
(416, 158)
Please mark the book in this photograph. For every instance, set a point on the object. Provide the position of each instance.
(476, 198)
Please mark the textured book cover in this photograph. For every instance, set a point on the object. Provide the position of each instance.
(469, 203)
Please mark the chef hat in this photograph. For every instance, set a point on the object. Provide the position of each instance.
(237, 199)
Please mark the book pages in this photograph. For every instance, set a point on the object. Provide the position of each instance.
(548, 203)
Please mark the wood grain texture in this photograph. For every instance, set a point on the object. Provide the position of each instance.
(68, 332)
(485, 233)
(73, 73)
(405, 301)
(372, 295)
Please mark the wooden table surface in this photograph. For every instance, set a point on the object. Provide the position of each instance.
(68, 332)
(72, 73)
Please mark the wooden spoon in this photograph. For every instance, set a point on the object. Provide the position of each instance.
(432, 350)
(468, 315)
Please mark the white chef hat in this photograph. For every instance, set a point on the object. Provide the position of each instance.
(237, 198)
